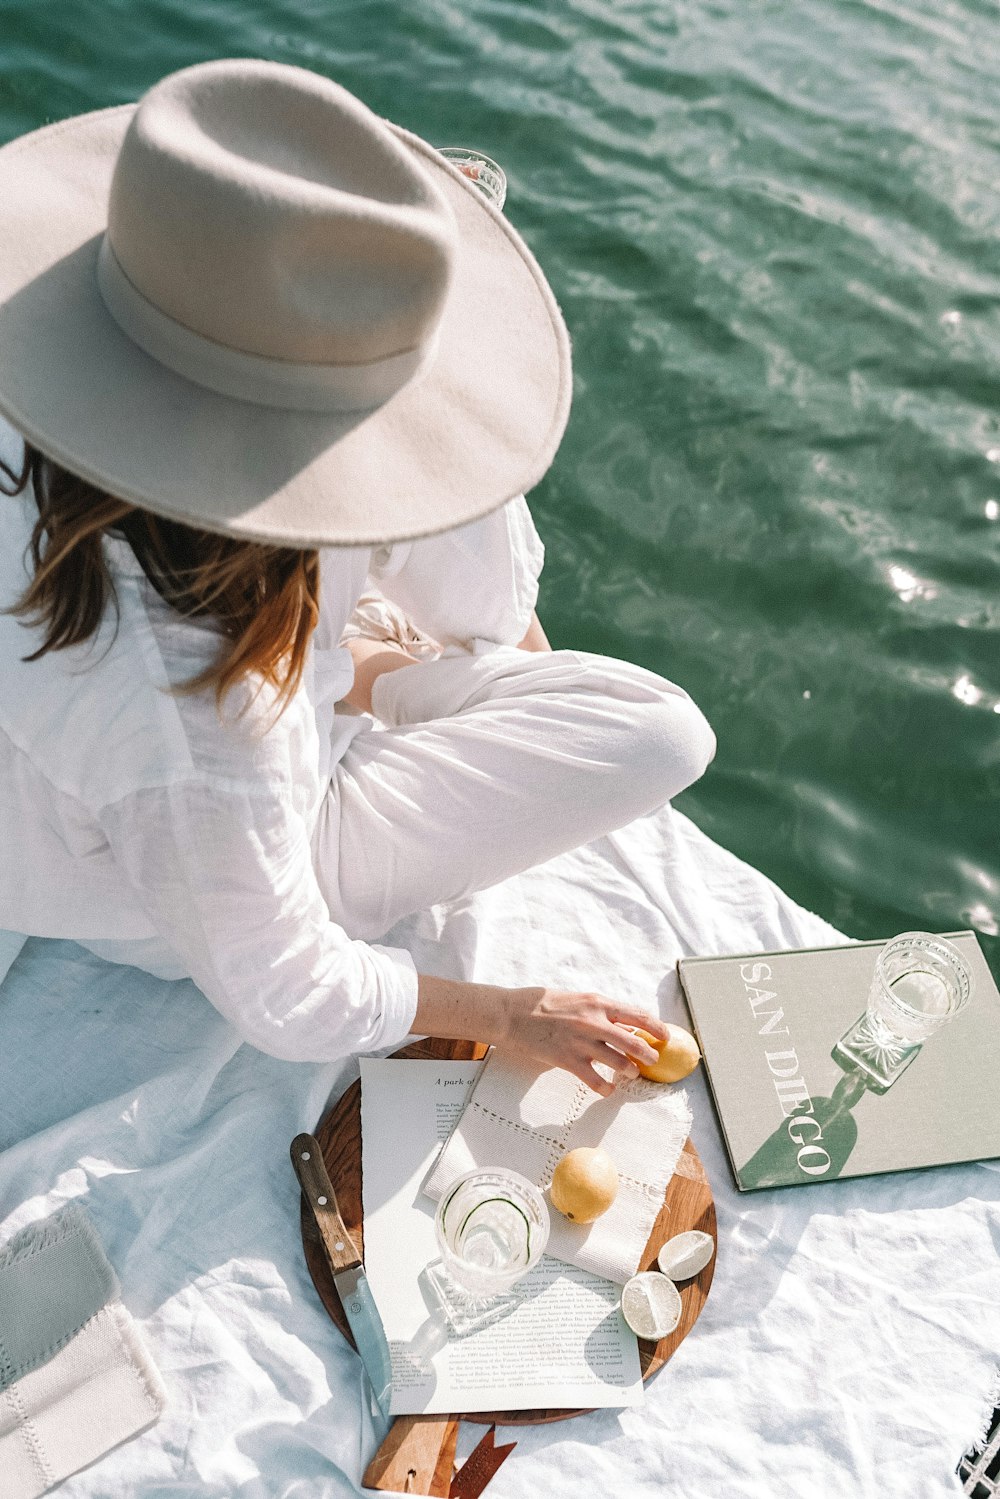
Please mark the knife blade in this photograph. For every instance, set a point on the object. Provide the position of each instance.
(346, 1267)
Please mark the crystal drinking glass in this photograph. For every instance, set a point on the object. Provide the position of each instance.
(920, 983)
(492, 1227)
(482, 170)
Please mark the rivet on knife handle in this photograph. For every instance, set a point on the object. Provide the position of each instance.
(307, 1159)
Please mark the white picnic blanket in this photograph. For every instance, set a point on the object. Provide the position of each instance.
(852, 1330)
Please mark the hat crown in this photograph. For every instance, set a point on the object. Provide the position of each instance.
(249, 202)
(269, 211)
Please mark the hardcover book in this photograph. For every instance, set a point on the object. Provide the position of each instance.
(794, 1110)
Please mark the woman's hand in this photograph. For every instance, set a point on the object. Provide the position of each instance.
(372, 658)
(557, 1026)
(574, 1031)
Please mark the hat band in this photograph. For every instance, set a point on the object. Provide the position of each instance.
(251, 377)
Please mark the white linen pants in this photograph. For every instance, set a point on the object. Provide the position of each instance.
(488, 765)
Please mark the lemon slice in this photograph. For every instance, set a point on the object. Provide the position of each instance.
(686, 1255)
(651, 1305)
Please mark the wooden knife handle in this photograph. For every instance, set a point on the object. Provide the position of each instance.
(307, 1160)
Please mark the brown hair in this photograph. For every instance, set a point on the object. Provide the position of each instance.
(265, 599)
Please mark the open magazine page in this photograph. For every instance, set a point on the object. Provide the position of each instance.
(566, 1345)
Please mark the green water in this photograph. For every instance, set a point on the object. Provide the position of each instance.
(773, 230)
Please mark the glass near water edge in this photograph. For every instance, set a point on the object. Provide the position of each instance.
(921, 982)
(482, 170)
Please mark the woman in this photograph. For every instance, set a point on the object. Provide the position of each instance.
(255, 338)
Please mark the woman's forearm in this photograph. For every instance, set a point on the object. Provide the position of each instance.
(555, 1026)
(461, 1012)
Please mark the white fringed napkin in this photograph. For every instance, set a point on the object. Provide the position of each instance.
(75, 1379)
(525, 1117)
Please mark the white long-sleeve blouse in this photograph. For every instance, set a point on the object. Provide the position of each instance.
(139, 824)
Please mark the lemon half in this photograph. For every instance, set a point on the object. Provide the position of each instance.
(651, 1305)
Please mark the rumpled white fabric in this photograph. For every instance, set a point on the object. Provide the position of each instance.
(527, 1117)
(846, 1347)
(75, 1378)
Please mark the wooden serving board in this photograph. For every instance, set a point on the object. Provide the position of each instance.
(688, 1204)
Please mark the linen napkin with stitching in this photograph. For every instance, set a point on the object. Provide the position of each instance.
(75, 1379)
(527, 1117)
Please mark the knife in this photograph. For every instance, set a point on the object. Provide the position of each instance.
(346, 1268)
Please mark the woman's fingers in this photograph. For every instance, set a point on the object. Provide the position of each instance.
(629, 1015)
(593, 1079)
(622, 1068)
(583, 1068)
(633, 1047)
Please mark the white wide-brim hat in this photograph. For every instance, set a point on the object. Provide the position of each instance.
(250, 304)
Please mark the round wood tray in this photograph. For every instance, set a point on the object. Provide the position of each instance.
(688, 1204)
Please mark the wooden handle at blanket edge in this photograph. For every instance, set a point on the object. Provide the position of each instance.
(307, 1161)
(417, 1456)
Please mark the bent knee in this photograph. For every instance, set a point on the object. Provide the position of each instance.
(671, 742)
(700, 738)
(682, 744)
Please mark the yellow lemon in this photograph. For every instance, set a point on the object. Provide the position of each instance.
(584, 1184)
(679, 1055)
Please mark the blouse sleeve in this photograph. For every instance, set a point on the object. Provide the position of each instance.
(471, 587)
(226, 876)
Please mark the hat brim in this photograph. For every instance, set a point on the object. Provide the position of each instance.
(478, 427)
